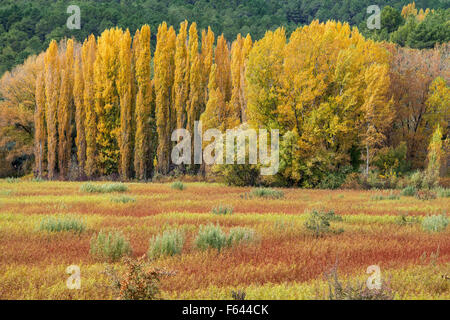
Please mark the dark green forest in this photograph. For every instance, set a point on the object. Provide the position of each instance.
(26, 27)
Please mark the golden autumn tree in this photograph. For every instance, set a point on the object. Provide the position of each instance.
(181, 77)
(223, 72)
(322, 88)
(39, 126)
(164, 75)
(107, 101)
(237, 65)
(265, 63)
(52, 85)
(65, 109)
(17, 116)
(144, 115)
(206, 63)
(125, 90)
(80, 113)
(89, 52)
(193, 105)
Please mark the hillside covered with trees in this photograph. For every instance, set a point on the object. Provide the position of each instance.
(27, 27)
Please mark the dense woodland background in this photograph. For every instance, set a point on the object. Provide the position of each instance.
(356, 107)
(26, 27)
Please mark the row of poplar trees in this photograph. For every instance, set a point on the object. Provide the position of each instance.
(107, 107)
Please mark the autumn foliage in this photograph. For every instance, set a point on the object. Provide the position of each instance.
(108, 107)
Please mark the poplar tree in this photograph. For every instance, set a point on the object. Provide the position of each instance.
(223, 72)
(163, 65)
(80, 113)
(51, 93)
(181, 78)
(206, 63)
(65, 110)
(89, 52)
(193, 112)
(39, 125)
(124, 86)
(143, 155)
(107, 101)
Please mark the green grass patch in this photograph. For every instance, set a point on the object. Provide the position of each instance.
(267, 193)
(178, 185)
(111, 246)
(61, 224)
(103, 188)
(222, 210)
(169, 243)
(123, 199)
(435, 223)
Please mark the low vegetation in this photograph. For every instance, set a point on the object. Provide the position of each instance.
(319, 223)
(60, 224)
(169, 243)
(111, 246)
(435, 223)
(103, 188)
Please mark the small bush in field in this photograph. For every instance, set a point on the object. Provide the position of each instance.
(110, 246)
(123, 199)
(60, 224)
(211, 236)
(37, 179)
(267, 193)
(138, 282)
(443, 192)
(238, 295)
(239, 235)
(435, 223)
(178, 185)
(406, 220)
(222, 210)
(409, 191)
(168, 244)
(319, 222)
(426, 195)
(380, 197)
(355, 291)
(103, 188)
(12, 180)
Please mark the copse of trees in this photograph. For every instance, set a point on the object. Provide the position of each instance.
(27, 27)
(108, 107)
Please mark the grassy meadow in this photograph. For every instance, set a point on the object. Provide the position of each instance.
(282, 258)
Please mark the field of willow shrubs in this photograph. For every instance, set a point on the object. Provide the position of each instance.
(209, 241)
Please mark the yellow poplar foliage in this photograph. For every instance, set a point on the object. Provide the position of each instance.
(65, 110)
(246, 48)
(223, 72)
(124, 86)
(52, 85)
(237, 65)
(181, 81)
(143, 154)
(193, 107)
(164, 75)
(80, 113)
(438, 103)
(325, 86)
(89, 52)
(39, 125)
(206, 63)
(107, 101)
(216, 114)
